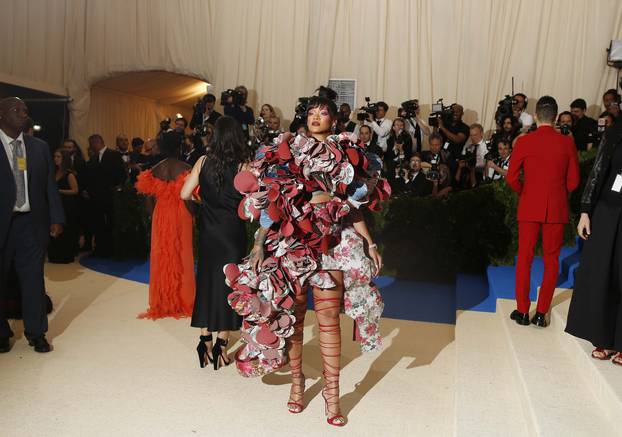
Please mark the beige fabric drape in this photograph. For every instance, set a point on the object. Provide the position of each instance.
(462, 50)
(114, 113)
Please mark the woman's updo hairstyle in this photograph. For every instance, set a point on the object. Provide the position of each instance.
(325, 99)
(170, 144)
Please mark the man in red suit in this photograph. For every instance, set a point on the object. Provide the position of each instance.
(550, 171)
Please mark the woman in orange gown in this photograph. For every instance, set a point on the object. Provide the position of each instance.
(171, 278)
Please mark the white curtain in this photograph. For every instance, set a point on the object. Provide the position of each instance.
(462, 50)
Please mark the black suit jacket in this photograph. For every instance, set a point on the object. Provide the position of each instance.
(105, 176)
(420, 186)
(45, 203)
(192, 157)
(427, 156)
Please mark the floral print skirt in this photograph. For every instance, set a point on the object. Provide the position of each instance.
(361, 299)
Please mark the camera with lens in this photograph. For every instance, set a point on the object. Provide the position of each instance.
(504, 109)
(491, 156)
(202, 130)
(369, 108)
(300, 110)
(442, 112)
(433, 174)
(165, 125)
(409, 108)
(238, 97)
(469, 157)
(564, 129)
(263, 133)
(199, 107)
(598, 133)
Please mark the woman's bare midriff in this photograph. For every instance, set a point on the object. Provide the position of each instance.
(321, 197)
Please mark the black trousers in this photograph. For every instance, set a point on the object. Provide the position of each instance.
(28, 254)
(104, 226)
(595, 312)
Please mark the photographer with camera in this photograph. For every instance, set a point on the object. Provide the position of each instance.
(234, 103)
(454, 133)
(366, 137)
(418, 185)
(497, 166)
(508, 129)
(519, 109)
(563, 125)
(442, 185)
(274, 124)
(400, 181)
(190, 154)
(475, 150)
(465, 173)
(417, 127)
(584, 128)
(435, 155)
(399, 146)
(204, 112)
(611, 102)
(378, 123)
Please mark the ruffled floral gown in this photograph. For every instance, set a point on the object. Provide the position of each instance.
(171, 276)
(305, 241)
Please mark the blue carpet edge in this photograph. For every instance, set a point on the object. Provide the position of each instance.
(407, 299)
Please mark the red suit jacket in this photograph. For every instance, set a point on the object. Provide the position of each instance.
(550, 171)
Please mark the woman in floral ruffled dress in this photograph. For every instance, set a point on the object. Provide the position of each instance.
(306, 192)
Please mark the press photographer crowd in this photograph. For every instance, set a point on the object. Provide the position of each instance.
(421, 157)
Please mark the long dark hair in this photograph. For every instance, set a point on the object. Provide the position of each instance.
(77, 150)
(169, 144)
(65, 164)
(227, 148)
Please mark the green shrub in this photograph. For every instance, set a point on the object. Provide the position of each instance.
(428, 238)
(420, 238)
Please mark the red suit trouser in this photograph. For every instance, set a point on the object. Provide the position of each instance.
(552, 240)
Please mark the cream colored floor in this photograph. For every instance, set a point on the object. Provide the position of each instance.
(111, 374)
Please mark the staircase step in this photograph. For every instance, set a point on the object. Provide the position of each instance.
(487, 400)
(555, 393)
(604, 378)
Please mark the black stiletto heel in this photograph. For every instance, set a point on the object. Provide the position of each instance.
(218, 355)
(202, 351)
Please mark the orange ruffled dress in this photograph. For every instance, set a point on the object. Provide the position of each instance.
(171, 278)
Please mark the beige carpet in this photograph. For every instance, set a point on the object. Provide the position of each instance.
(111, 374)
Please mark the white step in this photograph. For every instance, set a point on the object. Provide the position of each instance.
(487, 400)
(555, 390)
(604, 378)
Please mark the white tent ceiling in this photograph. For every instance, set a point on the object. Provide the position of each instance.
(160, 86)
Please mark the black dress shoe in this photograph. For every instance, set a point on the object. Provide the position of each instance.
(5, 346)
(520, 318)
(40, 344)
(540, 320)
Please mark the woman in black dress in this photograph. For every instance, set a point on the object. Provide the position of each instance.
(596, 307)
(64, 248)
(80, 168)
(222, 237)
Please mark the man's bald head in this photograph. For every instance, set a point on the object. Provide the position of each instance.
(13, 116)
(8, 101)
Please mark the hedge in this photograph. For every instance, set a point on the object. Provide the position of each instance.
(420, 238)
(430, 238)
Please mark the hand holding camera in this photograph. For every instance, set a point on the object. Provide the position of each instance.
(233, 97)
(367, 112)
